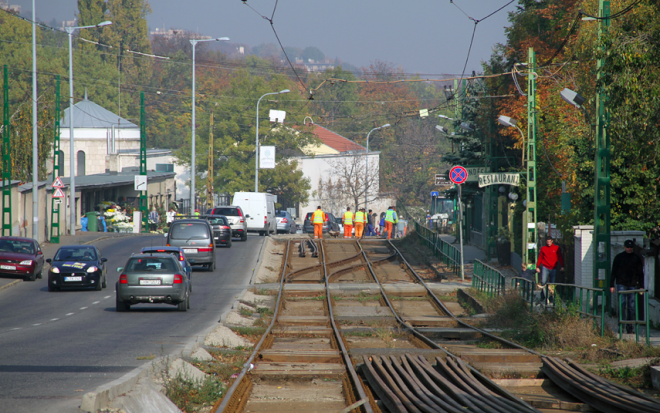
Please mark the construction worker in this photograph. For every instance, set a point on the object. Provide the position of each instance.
(390, 220)
(348, 223)
(318, 218)
(360, 219)
(196, 213)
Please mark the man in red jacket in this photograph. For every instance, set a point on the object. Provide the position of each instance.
(549, 257)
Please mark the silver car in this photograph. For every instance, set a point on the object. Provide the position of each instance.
(152, 278)
(236, 218)
(285, 223)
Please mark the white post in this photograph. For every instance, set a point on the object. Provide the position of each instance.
(35, 136)
(72, 158)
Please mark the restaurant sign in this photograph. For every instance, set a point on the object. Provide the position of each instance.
(499, 179)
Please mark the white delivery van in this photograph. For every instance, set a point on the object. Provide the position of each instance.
(259, 210)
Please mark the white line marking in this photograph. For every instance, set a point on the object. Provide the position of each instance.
(96, 302)
(54, 319)
(16, 328)
(38, 324)
(107, 296)
(83, 308)
(71, 314)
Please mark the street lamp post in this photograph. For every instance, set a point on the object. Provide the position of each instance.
(192, 156)
(256, 145)
(72, 155)
(366, 161)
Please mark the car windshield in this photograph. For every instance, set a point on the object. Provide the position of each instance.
(188, 230)
(77, 254)
(150, 264)
(282, 214)
(226, 211)
(217, 221)
(21, 247)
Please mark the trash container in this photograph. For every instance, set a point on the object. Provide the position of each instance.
(92, 221)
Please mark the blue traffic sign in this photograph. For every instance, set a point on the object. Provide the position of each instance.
(435, 193)
(458, 175)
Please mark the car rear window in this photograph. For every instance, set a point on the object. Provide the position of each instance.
(78, 254)
(189, 230)
(226, 211)
(22, 247)
(218, 221)
(151, 264)
(174, 253)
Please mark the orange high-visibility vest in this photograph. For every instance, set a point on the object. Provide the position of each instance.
(318, 217)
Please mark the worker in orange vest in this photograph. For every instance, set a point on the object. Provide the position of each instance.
(360, 219)
(390, 219)
(318, 218)
(348, 223)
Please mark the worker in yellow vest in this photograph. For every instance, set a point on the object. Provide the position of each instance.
(360, 219)
(348, 223)
(318, 218)
(390, 219)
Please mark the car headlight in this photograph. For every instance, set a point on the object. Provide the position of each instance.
(55, 270)
(92, 269)
(26, 262)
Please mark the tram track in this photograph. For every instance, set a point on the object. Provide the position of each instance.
(350, 341)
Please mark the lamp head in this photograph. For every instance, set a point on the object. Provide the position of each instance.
(466, 126)
(442, 129)
(222, 39)
(387, 125)
(105, 23)
(444, 117)
(572, 97)
(283, 91)
(507, 121)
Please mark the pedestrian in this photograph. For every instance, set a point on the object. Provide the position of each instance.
(360, 218)
(526, 273)
(627, 274)
(347, 220)
(546, 265)
(370, 224)
(196, 213)
(318, 218)
(170, 216)
(390, 220)
(381, 224)
(401, 228)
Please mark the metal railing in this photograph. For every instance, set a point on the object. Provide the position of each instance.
(488, 279)
(636, 322)
(525, 288)
(589, 302)
(444, 251)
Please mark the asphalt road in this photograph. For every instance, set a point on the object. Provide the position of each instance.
(55, 347)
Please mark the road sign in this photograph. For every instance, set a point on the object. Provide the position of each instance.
(58, 193)
(441, 180)
(57, 183)
(57, 201)
(458, 175)
(140, 182)
(435, 193)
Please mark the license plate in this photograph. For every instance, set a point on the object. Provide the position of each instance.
(150, 282)
(72, 278)
(190, 250)
(7, 267)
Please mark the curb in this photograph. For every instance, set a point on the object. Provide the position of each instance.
(11, 284)
(257, 264)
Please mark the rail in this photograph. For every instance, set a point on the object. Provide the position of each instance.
(635, 303)
(488, 279)
(447, 253)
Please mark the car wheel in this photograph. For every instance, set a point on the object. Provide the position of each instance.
(99, 285)
(188, 300)
(228, 245)
(40, 275)
(121, 306)
(30, 277)
(244, 237)
(261, 233)
(51, 287)
(183, 305)
(105, 282)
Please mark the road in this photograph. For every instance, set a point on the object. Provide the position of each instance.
(57, 346)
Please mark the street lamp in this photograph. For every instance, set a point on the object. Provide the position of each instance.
(192, 161)
(366, 161)
(256, 149)
(72, 160)
(512, 123)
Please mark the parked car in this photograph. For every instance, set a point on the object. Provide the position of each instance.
(177, 252)
(330, 223)
(21, 257)
(152, 278)
(195, 236)
(77, 266)
(285, 223)
(236, 218)
(259, 208)
(221, 229)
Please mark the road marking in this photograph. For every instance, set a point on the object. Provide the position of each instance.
(107, 296)
(38, 324)
(83, 308)
(96, 302)
(70, 314)
(16, 328)
(54, 319)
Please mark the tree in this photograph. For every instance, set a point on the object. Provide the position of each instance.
(312, 53)
(346, 184)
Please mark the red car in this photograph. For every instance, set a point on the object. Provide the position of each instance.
(21, 257)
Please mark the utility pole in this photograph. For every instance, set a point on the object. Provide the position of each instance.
(209, 175)
(601, 238)
(143, 166)
(6, 160)
(57, 168)
(530, 241)
(35, 134)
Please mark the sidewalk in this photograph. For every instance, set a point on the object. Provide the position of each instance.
(49, 250)
(470, 252)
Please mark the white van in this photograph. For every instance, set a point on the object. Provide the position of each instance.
(259, 210)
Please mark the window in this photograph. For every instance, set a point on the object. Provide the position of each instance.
(81, 163)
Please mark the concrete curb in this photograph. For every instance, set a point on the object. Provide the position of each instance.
(11, 284)
(257, 265)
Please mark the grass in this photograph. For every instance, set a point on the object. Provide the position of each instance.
(245, 312)
(263, 291)
(265, 311)
(149, 357)
(362, 297)
(359, 333)
(190, 396)
(251, 333)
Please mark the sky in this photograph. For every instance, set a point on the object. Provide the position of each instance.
(420, 36)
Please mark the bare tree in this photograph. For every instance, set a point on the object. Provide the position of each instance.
(346, 184)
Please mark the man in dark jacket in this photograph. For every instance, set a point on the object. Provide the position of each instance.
(627, 274)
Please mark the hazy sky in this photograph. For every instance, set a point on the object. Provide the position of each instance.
(421, 36)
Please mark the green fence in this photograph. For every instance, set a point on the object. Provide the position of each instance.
(589, 302)
(488, 279)
(525, 288)
(644, 322)
(444, 251)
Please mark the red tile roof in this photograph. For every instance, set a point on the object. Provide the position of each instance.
(336, 141)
